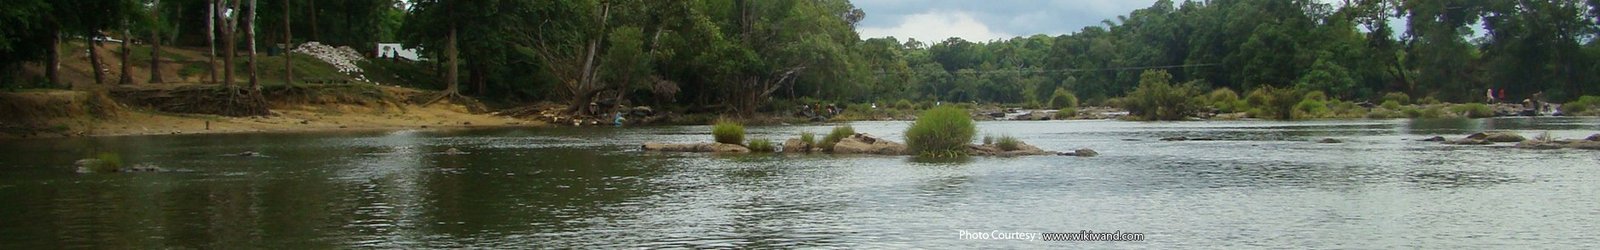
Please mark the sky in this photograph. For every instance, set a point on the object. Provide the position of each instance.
(984, 20)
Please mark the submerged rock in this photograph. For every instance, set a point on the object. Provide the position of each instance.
(454, 151)
(796, 146)
(1497, 136)
(1594, 137)
(1560, 144)
(863, 143)
(1434, 139)
(1184, 138)
(1082, 152)
(86, 166)
(1469, 141)
(1330, 140)
(247, 154)
(711, 147)
(993, 150)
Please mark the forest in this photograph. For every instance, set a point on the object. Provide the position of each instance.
(745, 56)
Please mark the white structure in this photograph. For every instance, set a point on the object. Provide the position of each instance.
(389, 50)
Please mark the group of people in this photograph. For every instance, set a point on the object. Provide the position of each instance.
(1534, 103)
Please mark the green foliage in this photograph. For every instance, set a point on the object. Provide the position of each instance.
(1585, 105)
(941, 131)
(904, 104)
(1062, 98)
(1310, 108)
(728, 131)
(1225, 100)
(761, 146)
(1427, 100)
(1008, 143)
(1472, 110)
(1399, 98)
(838, 133)
(1066, 113)
(1273, 103)
(109, 162)
(1391, 105)
(808, 138)
(1157, 99)
(988, 139)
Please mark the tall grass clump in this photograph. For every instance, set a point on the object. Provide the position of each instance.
(839, 133)
(904, 104)
(809, 138)
(728, 131)
(1398, 97)
(1157, 98)
(1008, 143)
(1472, 110)
(109, 162)
(1062, 98)
(1066, 113)
(761, 146)
(1314, 105)
(941, 132)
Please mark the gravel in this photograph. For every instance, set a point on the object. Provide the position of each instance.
(344, 58)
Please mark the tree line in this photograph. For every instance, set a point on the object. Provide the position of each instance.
(744, 55)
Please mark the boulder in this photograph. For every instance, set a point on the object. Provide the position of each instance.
(711, 147)
(1537, 144)
(1435, 138)
(993, 150)
(863, 143)
(1330, 140)
(1469, 141)
(796, 146)
(1497, 136)
(1594, 137)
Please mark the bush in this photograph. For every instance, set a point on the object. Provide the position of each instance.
(1391, 105)
(728, 131)
(904, 104)
(940, 132)
(1582, 106)
(1343, 109)
(1411, 112)
(1008, 143)
(1427, 100)
(1157, 99)
(1309, 108)
(839, 133)
(1317, 95)
(809, 138)
(1397, 97)
(761, 146)
(1472, 110)
(1225, 100)
(109, 162)
(1066, 113)
(1435, 111)
(1273, 103)
(1063, 99)
(988, 139)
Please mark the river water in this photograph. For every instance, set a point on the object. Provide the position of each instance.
(1262, 184)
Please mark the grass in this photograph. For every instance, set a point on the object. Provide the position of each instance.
(1397, 97)
(1585, 105)
(109, 162)
(1225, 100)
(1008, 143)
(1066, 113)
(809, 138)
(761, 146)
(839, 133)
(941, 132)
(1062, 98)
(728, 131)
(1472, 110)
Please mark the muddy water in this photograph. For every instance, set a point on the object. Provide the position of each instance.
(1262, 184)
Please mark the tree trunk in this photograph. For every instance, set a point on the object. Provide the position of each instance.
(127, 68)
(155, 44)
(250, 41)
(94, 58)
(211, 35)
(313, 15)
(232, 43)
(288, 46)
(52, 68)
(450, 54)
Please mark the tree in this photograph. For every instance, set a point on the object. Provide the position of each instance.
(250, 41)
(155, 42)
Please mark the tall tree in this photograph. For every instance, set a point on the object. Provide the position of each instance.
(250, 41)
(155, 42)
(288, 44)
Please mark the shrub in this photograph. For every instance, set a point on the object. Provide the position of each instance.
(1224, 100)
(1397, 97)
(1411, 112)
(1472, 110)
(1008, 143)
(942, 131)
(1157, 99)
(1434, 111)
(1427, 100)
(1391, 105)
(904, 104)
(1317, 95)
(1063, 99)
(761, 146)
(1310, 108)
(988, 139)
(1343, 109)
(839, 133)
(1066, 113)
(728, 131)
(109, 162)
(809, 138)
(1584, 104)
(1273, 103)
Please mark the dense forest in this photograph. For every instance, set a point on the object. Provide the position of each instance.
(748, 55)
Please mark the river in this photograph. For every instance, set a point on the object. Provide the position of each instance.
(1263, 184)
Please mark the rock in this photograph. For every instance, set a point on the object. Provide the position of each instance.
(454, 151)
(342, 58)
(1330, 140)
(863, 143)
(247, 154)
(796, 146)
(1536, 144)
(1469, 141)
(1497, 136)
(142, 167)
(1082, 152)
(993, 150)
(1435, 138)
(86, 166)
(1594, 137)
(695, 147)
(1175, 138)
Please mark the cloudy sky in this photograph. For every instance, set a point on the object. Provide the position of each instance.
(984, 20)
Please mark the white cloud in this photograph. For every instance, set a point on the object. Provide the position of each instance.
(934, 26)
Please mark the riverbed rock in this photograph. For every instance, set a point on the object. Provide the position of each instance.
(1330, 140)
(1537, 144)
(1023, 149)
(86, 166)
(863, 143)
(454, 151)
(1594, 137)
(1082, 152)
(1185, 138)
(796, 146)
(1469, 141)
(1434, 139)
(1560, 144)
(1497, 136)
(711, 147)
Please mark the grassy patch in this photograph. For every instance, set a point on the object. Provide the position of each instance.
(838, 133)
(761, 146)
(1008, 143)
(1472, 110)
(728, 131)
(1063, 99)
(1587, 105)
(942, 131)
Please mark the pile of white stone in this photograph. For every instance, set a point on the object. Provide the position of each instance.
(343, 58)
